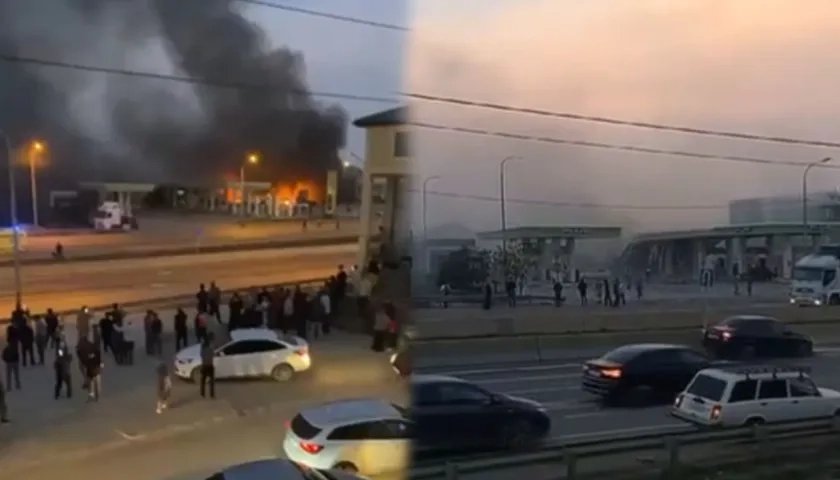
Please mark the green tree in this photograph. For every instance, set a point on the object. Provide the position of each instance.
(463, 269)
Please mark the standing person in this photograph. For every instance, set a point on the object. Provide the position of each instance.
(363, 299)
(63, 359)
(200, 327)
(608, 298)
(83, 322)
(156, 336)
(117, 314)
(380, 330)
(288, 312)
(235, 308)
(510, 289)
(391, 335)
(42, 337)
(118, 343)
(558, 293)
(181, 330)
(487, 292)
(208, 370)
(106, 330)
(96, 339)
(214, 300)
(27, 344)
(341, 283)
(11, 357)
(445, 291)
(582, 291)
(326, 311)
(129, 341)
(164, 387)
(51, 319)
(93, 373)
(147, 332)
(202, 299)
(4, 409)
(83, 349)
(13, 335)
(301, 312)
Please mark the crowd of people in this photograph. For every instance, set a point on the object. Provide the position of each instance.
(308, 314)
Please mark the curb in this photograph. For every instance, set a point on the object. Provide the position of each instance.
(184, 251)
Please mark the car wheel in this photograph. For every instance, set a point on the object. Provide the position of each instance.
(517, 436)
(195, 375)
(346, 467)
(752, 422)
(282, 373)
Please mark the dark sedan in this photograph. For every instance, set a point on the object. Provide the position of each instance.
(453, 415)
(753, 336)
(646, 372)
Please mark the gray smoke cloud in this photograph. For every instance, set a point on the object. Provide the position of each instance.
(153, 130)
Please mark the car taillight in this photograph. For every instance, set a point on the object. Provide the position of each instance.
(311, 448)
(715, 413)
(302, 352)
(726, 335)
(679, 400)
(611, 373)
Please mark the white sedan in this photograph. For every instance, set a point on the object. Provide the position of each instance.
(249, 353)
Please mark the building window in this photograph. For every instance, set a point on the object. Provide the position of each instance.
(402, 145)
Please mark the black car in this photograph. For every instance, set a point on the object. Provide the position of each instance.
(751, 336)
(649, 372)
(452, 415)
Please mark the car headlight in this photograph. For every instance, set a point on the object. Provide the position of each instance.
(393, 358)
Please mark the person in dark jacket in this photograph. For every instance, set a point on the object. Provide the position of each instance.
(156, 335)
(11, 357)
(62, 364)
(51, 320)
(235, 308)
(208, 370)
(106, 330)
(4, 409)
(93, 373)
(202, 299)
(41, 339)
(13, 335)
(27, 344)
(181, 331)
(301, 309)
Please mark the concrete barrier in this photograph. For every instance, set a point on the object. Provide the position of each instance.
(189, 250)
(554, 321)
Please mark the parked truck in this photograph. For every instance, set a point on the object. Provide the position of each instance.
(112, 216)
(815, 278)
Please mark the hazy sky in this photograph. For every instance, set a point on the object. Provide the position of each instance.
(759, 66)
(344, 57)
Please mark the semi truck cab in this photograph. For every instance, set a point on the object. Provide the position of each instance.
(815, 281)
(112, 216)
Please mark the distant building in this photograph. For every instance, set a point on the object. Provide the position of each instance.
(822, 207)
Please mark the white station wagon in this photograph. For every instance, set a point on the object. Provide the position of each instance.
(249, 353)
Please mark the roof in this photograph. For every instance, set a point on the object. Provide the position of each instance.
(347, 411)
(394, 116)
(731, 231)
(552, 232)
(260, 469)
(253, 334)
(818, 261)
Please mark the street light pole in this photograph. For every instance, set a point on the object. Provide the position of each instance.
(35, 150)
(503, 210)
(805, 193)
(425, 192)
(13, 218)
(242, 190)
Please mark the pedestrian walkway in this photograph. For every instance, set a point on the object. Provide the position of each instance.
(343, 366)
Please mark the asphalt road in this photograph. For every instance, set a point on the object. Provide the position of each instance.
(70, 285)
(576, 416)
(122, 436)
(162, 233)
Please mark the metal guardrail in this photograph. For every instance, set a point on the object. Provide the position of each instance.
(181, 300)
(569, 455)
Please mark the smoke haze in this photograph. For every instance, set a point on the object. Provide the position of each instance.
(103, 127)
(759, 66)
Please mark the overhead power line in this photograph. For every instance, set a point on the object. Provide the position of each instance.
(613, 146)
(619, 122)
(331, 16)
(585, 205)
(230, 84)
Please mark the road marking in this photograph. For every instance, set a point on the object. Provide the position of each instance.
(130, 437)
(662, 427)
(599, 413)
(528, 368)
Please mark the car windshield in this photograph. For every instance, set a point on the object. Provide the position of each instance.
(808, 274)
(707, 387)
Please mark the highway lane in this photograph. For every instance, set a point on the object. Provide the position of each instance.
(123, 436)
(70, 285)
(576, 415)
(172, 233)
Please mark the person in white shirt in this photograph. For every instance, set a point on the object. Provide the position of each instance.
(129, 335)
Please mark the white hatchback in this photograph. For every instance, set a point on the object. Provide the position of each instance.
(249, 353)
(368, 436)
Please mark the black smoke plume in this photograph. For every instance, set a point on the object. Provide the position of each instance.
(150, 137)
